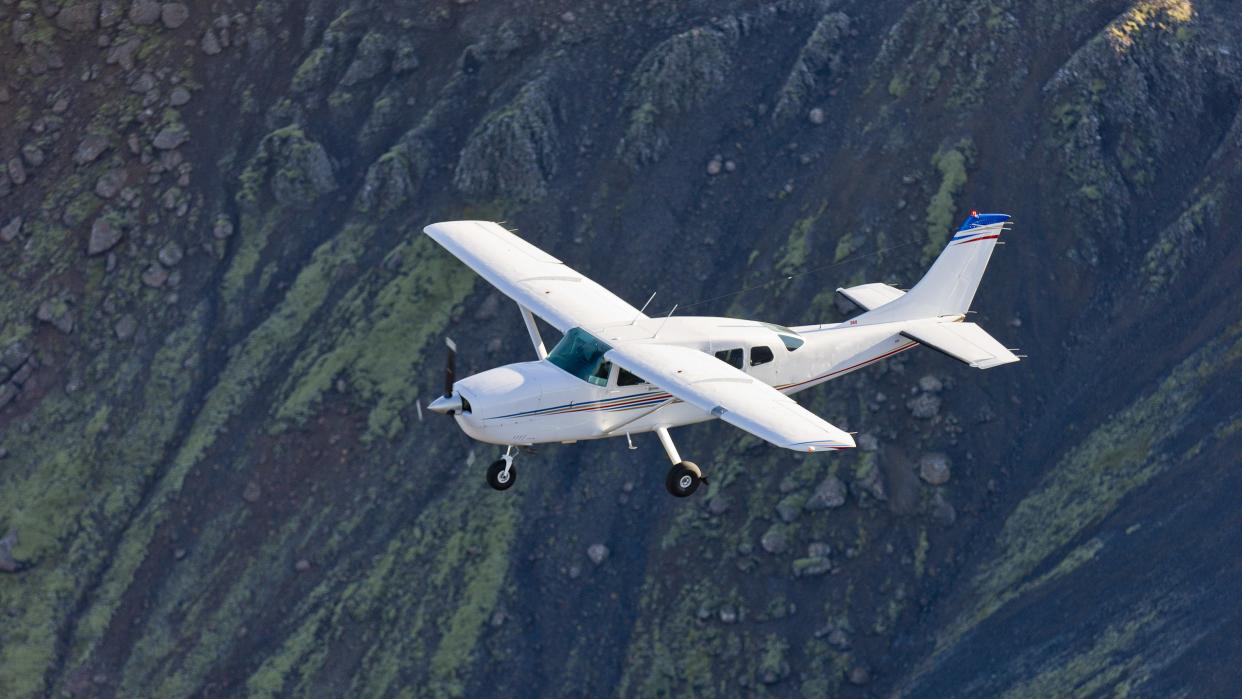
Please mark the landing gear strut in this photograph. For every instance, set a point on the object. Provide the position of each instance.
(684, 477)
(502, 473)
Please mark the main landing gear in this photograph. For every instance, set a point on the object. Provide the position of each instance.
(501, 474)
(684, 477)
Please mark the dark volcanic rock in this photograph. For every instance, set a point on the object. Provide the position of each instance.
(174, 14)
(171, 137)
(90, 148)
(79, 17)
(104, 237)
(830, 493)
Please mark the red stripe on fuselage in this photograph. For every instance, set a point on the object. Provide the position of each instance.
(848, 368)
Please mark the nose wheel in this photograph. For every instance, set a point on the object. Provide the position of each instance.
(501, 474)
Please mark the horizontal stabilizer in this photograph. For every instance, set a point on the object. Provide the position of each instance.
(871, 296)
(965, 342)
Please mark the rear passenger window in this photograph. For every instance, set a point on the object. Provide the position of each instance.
(760, 355)
(732, 357)
(625, 378)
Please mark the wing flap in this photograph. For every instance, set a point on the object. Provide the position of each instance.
(530, 276)
(965, 342)
(721, 390)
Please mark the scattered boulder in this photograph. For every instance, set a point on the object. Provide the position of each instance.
(930, 384)
(56, 313)
(829, 494)
(110, 13)
(174, 14)
(110, 183)
(924, 406)
(33, 154)
(859, 675)
(252, 492)
(126, 327)
(714, 166)
(17, 171)
(728, 614)
(868, 442)
(170, 254)
(155, 276)
(816, 116)
(790, 507)
(223, 228)
(104, 237)
(179, 96)
(144, 12)
(78, 18)
(934, 468)
(775, 540)
(597, 553)
(171, 136)
(90, 148)
(10, 230)
(302, 565)
(15, 355)
(209, 44)
(122, 53)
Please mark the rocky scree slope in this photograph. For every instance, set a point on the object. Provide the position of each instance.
(217, 315)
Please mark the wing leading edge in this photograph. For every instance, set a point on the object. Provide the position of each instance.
(536, 280)
(731, 395)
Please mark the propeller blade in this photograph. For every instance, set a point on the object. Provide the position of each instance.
(450, 368)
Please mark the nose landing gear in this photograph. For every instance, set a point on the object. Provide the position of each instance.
(501, 474)
(684, 477)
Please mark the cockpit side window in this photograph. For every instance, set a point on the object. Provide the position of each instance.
(582, 356)
(732, 357)
(625, 378)
(600, 377)
(761, 354)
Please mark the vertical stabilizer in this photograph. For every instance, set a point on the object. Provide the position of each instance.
(949, 286)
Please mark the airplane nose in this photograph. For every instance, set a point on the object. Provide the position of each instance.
(446, 405)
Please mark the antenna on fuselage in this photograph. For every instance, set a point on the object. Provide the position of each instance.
(640, 311)
(670, 315)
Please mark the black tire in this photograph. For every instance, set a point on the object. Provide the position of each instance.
(497, 478)
(683, 479)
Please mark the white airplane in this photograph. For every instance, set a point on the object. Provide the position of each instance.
(617, 372)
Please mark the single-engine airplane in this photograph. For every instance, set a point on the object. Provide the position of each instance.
(617, 372)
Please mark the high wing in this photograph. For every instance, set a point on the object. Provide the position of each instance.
(731, 395)
(530, 276)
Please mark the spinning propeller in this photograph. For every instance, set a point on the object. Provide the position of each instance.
(450, 402)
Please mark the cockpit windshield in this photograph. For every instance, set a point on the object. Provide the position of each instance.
(580, 354)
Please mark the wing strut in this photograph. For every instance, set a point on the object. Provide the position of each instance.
(535, 338)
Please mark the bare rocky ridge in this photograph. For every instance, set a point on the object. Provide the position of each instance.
(218, 315)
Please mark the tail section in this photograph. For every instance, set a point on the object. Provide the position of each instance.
(949, 286)
(934, 311)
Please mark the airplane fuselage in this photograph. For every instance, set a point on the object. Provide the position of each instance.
(541, 401)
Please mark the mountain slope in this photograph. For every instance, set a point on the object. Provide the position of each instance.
(217, 315)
